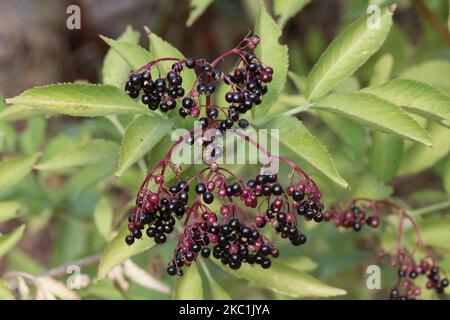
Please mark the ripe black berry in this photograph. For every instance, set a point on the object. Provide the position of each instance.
(137, 233)
(205, 252)
(129, 239)
(187, 102)
(208, 197)
(200, 188)
(172, 270)
(212, 113)
(190, 63)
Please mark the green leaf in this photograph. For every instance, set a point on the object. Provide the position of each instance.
(117, 251)
(8, 137)
(351, 133)
(446, 176)
(375, 112)
(9, 210)
(116, 69)
(382, 70)
(303, 264)
(432, 72)
(271, 52)
(295, 136)
(71, 241)
(418, 158)
(197, 8)
(367, 186)
(385, 155)
(217, 292)
(5, 290)
(103, 218)
(79, 99)
(287, 9)
(189, 286)
(349, 51)
(434, 231)
(141, 135)
(14, 169)
(133, 54)
(299, 81)
(32, 138)
(162, 49)
(415, 97)
(7, 242)
(20, 112)
(285, 280)
(91, 152)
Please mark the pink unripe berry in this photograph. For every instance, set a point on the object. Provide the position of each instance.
(224, 210)
(159, 179)
(210, 186)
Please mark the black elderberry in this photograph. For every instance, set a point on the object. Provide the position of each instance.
(266, 190)
(134, 93)
(128, 86)
(357, 226)
(206, 67)
(444, 283)
(281, 216)
(208, 197)
(318, 217)
(265, 250)
(196, 247)
(168, 229)
(266, 263)
(212, 113)
(276, 190)
(187, 102)
(183, 112)
(201, 88)
(211, 88)
(129, 239)
(171, 270)
(243, 123)
(251, 183)
(203, 123)
(190, 63)
(394, 294)
(309, 214)
(205, 252)
(261, 179)
(164, 107)
(137, 234)
(160, 84)
(234, 224)
(225, 229)
(228, 123)
(200, 188)
(301, 210)
(413, 274)
(160, 238)
(229, 97)
(213, 229)
(237, 97)
(249, 56)
(135, 79)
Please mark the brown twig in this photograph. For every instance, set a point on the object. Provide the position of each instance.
(432, 20)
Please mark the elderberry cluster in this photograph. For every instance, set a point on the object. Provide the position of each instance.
(161, 92)
(408, 271)
(248, 83)
(354, 217)
(157, 214)
(233, 243)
